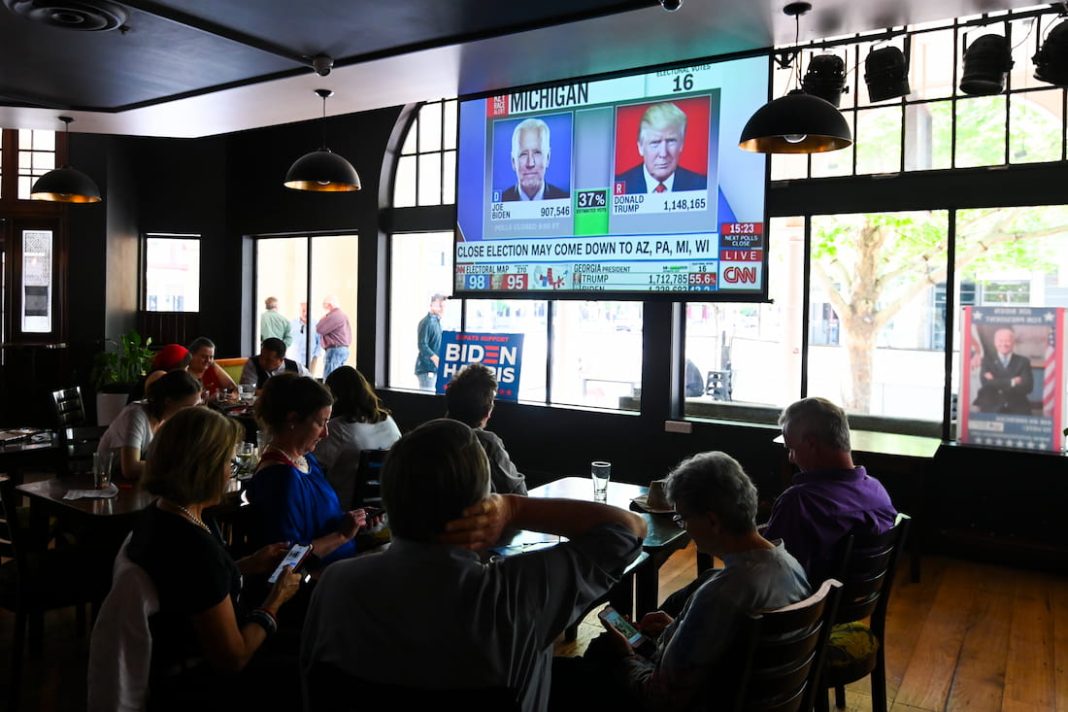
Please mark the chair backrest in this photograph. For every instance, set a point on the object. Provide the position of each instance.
(782, 652)
(120, 649)
(77, 445)
(331, 689)
(232, 366)
(368, 490)
(718, 385)
(67, 407)
(867, 573)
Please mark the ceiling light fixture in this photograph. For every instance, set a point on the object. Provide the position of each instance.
(886, 72)
(1051, 60)
(825, 78)
(323, 170)
(65, 184)
(987, 61)
(797, 122)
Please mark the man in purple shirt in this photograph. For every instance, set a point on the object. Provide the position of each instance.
(830, 498)
(335, 335)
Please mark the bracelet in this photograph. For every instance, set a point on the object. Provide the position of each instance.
(263, 618)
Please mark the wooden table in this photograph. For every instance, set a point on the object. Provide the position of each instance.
(22, 454)
(663, 538)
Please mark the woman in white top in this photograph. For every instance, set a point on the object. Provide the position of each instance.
(131, 432)
(360, 422)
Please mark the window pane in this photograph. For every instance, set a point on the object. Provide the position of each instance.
(879, 140)
(281, 274)
(172, 274)
(790, 166)
(981, 131)
(1009, 257)
(750, 353)
(1024, 40)
(430, 179)
(44, 140)
(928, 136)
(450, 124)
(517, 316)
(873, 315)
(1035, 126)
(833, 163)
(411, 139)
(420, 266)
(597, 354)
(335, 266)
(430, 128)
(449, 177)
(931, 63)
(404, 183)
(37, 281)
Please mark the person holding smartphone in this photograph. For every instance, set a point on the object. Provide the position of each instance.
(716, 503)
(204, 632)
(291, 498)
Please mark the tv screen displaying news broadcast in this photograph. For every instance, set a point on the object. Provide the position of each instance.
(632, 185)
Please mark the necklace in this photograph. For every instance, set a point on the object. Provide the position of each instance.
(190, 516)
(300, 462)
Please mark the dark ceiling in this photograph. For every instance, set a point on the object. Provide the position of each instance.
(168, 49)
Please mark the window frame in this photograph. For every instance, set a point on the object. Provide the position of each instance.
(142, 288)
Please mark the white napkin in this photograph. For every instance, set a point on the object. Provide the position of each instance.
(104, 493)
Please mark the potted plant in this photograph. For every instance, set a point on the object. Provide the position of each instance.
(116, 373)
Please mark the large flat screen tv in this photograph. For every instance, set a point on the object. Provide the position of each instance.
(622, 187)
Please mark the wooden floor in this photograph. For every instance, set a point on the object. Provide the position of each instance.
(967, 637)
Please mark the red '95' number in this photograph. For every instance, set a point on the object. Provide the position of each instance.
(514, 281)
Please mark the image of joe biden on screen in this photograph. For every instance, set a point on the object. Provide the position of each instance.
(661, 139)
(530, 157)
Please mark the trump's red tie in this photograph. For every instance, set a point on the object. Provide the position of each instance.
(660, 188)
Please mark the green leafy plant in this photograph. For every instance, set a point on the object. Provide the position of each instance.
(118, 370)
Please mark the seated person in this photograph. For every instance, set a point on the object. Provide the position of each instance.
(131, 432)
(271, 361)
(359, 422)
(829, 498)
(428, 613)
(291, 498)
(172, 357)
(211, 375)
(469, 398)
(716, 503)
(204, 632)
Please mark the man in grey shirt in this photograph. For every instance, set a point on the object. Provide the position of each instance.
(428, 613)
(469, 398)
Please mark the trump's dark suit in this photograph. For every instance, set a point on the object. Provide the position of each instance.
(684, 180)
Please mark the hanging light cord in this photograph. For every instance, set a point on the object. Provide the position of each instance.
(322, 124)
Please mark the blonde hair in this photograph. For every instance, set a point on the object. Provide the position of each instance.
(190, 456)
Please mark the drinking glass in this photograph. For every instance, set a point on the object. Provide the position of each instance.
(600, 472)
(102, 462)
(246, 454)
(248, 392)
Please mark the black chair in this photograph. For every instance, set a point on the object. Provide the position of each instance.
(36, 581)
(782, 654)
(718, 385)
(368, 490)
(856, 649)
(76, 447)
(331, 689)
(67, 408)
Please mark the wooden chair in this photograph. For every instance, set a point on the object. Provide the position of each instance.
(331, 689)
(856, 649)
(782, 652)
(34, 582)
(368, 491)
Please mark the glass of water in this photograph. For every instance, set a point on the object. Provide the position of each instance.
(601, 473)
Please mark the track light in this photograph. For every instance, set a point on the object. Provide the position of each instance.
(886, 73)
(987, 61)
(825, 78)
(1051, 60)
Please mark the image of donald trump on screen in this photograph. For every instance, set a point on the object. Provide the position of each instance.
(531, 151)
(661, 140)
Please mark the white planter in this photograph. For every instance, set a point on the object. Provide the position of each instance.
(108, 406)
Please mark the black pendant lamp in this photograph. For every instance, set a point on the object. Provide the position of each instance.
(323, 170)
(65, 185)
(797, 122)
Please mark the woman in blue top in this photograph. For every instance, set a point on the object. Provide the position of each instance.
(291, 498)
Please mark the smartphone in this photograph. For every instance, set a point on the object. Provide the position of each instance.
(610, 616)
(373, 511)
(294, 557)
